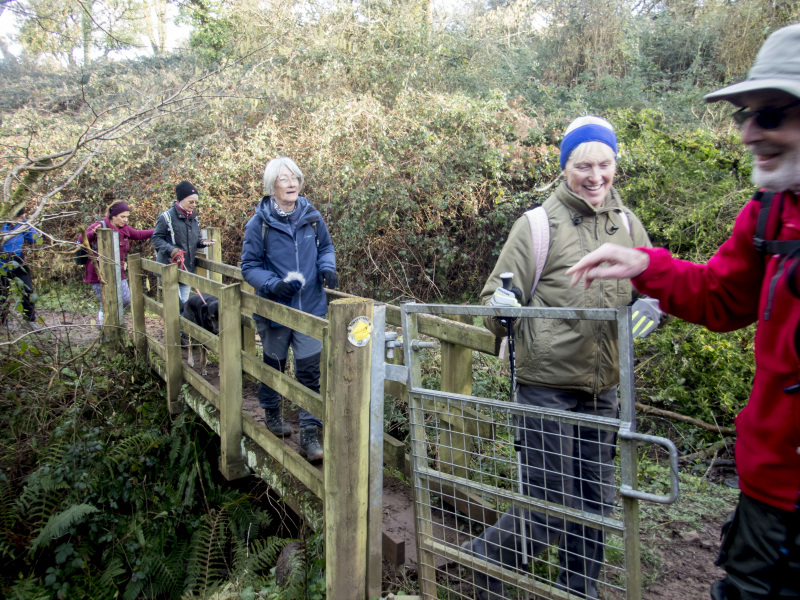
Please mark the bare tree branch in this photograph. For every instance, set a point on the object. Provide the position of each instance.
(101, 129)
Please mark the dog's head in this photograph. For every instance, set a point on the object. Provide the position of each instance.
(209, 313)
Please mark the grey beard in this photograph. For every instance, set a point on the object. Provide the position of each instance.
(787, 177)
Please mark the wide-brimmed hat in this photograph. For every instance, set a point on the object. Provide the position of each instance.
(777, 67)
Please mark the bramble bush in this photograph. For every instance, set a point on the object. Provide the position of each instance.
(421, 142)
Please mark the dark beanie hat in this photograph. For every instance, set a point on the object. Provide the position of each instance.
(184, 189)
(117, 208)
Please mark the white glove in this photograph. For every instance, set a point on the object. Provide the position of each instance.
(505, 298)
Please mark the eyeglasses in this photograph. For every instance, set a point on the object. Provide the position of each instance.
(283, 179)
(766, 118)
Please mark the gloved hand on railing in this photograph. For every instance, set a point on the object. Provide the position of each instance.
(645, 316)
(328, 278)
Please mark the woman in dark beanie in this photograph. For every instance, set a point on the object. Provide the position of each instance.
(177, 233)
(116, 219)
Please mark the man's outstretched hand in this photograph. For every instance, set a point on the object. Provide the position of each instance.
(620, 263)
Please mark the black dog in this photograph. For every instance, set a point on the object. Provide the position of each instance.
(202, 310)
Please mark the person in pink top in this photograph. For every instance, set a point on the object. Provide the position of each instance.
(753, 277)
(116, 219)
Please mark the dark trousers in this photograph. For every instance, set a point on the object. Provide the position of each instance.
(568, 465)
(275, 342)
(760, 553)
(8, 284)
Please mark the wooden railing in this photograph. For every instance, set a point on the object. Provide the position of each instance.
(336, 498)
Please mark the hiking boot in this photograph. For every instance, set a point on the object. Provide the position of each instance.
(309, 444)
(274, 420)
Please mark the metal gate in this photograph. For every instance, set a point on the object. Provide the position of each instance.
(564, 531)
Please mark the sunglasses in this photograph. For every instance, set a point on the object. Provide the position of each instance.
(766, 118)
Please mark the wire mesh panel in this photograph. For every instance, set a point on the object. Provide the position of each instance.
(534, 510)
(534, 498)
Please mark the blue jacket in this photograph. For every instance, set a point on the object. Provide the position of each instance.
(288, 251)
(14, 245)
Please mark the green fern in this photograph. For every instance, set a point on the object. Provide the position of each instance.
(9, 517)
(208, 560)
(60, 523)
(253, 561)
(30, 588)
(132, 446)
(168, 572)
(99, 586)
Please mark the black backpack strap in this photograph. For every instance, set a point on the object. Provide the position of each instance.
(760, 237)
(760, 240)
(264, 236)
(314, 223)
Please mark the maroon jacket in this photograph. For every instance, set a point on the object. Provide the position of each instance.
(721, 296)
(125, 233)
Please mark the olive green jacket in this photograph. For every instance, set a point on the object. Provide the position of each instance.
(564, 353)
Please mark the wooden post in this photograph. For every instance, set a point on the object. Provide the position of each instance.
(215, 251)
(457, 379)
(137, 301)
(248, 335)
(231, 462)
(346, 440)
(111, 272)
(173, 355)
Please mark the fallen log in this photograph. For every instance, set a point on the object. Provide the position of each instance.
(650, 410)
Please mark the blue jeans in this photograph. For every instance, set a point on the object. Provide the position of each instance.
(126, 297)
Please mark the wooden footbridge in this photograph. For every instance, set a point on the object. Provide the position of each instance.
(343, 499)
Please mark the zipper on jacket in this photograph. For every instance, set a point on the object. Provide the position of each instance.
(599, 324)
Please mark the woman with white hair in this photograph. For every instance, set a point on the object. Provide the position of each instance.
(288, 256)
(564, 365)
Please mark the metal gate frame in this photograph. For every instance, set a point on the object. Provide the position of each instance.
(625, 426)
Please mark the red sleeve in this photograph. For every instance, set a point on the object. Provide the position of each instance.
(138, 234)
(722, 295)
(91, 234)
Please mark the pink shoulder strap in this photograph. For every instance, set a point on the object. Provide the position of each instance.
(540, 235)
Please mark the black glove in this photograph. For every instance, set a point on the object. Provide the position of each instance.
(284, 291)
(328, 278)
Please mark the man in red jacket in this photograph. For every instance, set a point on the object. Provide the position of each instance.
(761, 548)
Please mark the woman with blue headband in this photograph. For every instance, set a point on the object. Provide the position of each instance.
(564, 365)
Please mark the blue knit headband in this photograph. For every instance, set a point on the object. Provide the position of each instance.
(586, 133)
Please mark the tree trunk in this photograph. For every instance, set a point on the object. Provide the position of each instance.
(86, 24)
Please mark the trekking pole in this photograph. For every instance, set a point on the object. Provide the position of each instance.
(507, 279)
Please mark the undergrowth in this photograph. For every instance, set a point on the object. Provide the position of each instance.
(104, 495)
